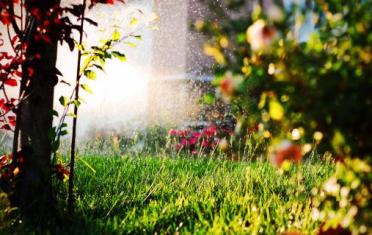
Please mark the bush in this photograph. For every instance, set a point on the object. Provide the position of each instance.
(302, 73)
(314, 90)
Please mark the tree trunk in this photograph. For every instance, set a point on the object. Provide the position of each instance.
(33, 189)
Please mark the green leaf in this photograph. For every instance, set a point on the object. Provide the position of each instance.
(81, 100)
(63, 100)
(262, 102)
(91, 75)
(99, 67)
(55, 145)
(276, 110)
(86, 88)
(88, 165)
(133, 22)
(76, 103)
(115, 35)
(63, 132)
(71, 115)
(208, 99)
(52, 133)
(55, 113)
(139, 37)
(80, 47)
(119, 56)
(131, 44)
(64, 82)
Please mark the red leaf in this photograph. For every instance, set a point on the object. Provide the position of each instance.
(11, 82)
(3, 106)
(18, 73)
(14, 39)
(30, 72)
(5, 55)
(61, 172)
(36, 13)
(5, 18)
(6, 127)
(12, 120)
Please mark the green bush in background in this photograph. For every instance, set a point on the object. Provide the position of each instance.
(299, 71)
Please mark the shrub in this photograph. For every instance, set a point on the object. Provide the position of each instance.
(313, 90)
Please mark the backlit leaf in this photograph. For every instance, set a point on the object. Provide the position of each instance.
(115, 35)
(133, 22)
(90, 74)
(76, 103)
(276, 110)
(131, 44)
(119, 56)
(86, 88)
(208, 99)
(71, 115)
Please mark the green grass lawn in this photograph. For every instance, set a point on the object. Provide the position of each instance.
(165, 196)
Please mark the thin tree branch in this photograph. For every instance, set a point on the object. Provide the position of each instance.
(71, 197)
(17, 30)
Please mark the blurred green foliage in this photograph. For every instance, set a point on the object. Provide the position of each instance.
(345, 198)
(300, 71)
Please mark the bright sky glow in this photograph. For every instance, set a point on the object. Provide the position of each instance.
(120, 93)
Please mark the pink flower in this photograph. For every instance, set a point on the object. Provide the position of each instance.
(260, 35)
(183, 142)
(193, 140)
(172, 132)
(194, 152)
(210, 131)
(183, 133)
(196, 135)
(204, 144)
(179, 146)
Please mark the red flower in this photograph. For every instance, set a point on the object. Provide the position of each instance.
(210, 131)
(172, 132)
(183, 133)
(226, 86)
(196, 134)
(193, 140)
(204, 144)
(286, 151)
(61, 172)
(183, 142)
(179, 146)
(253, 129)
